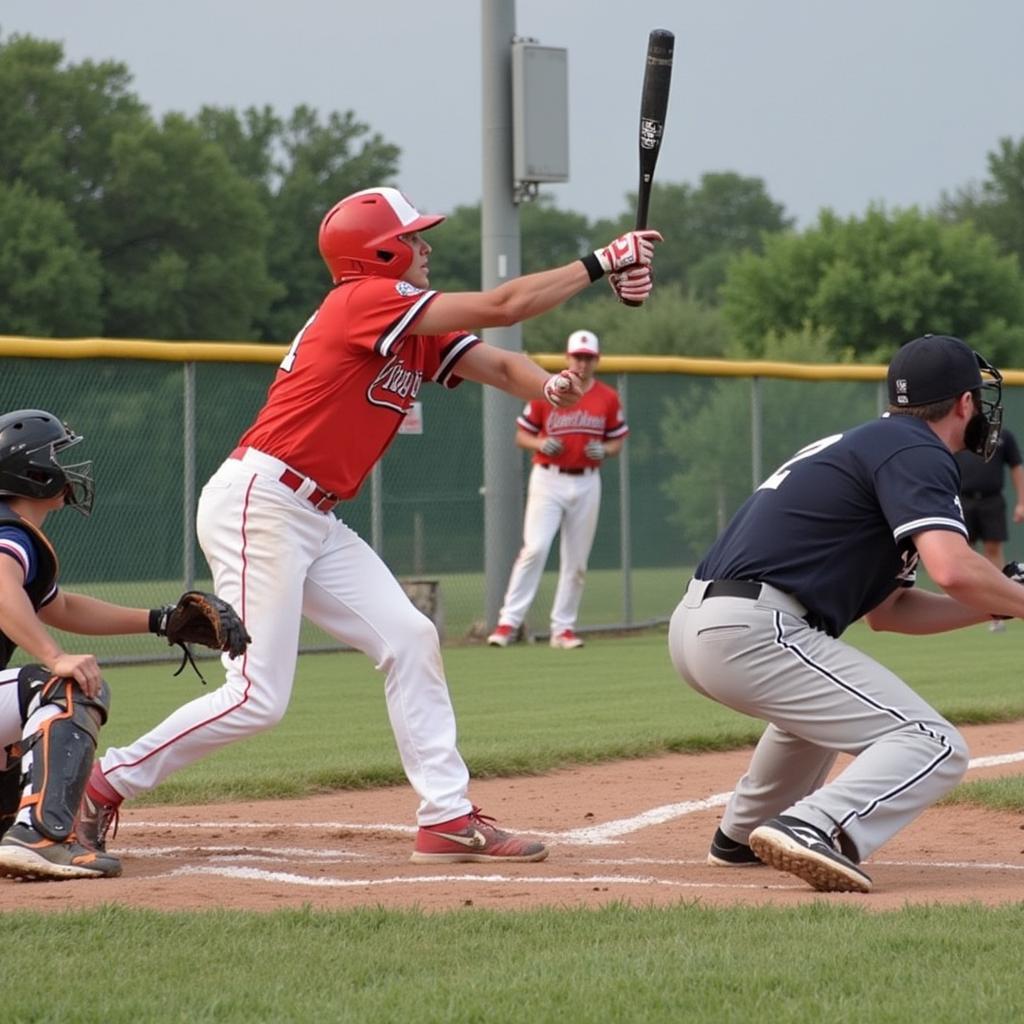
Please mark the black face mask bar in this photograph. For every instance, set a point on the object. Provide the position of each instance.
(984, 427)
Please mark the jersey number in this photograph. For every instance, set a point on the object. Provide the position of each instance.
(289, 360)
(772, 483)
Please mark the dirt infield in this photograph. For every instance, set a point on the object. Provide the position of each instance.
(634, 831)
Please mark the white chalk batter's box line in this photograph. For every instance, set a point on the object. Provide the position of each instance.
(607, 834)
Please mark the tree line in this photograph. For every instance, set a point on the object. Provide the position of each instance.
(114, 223)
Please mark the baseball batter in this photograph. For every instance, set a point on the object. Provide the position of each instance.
(50, 711)
(564, 494)
(833, 535)
(277, 551)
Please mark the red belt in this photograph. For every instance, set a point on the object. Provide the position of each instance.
(570, 470)
(321, 500)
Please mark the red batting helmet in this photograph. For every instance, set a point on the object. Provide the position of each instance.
(359, 235)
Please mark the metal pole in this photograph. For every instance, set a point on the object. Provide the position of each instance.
(756, 428)
(500, 261)
(377, 509)
(188, 483)
(625, 523)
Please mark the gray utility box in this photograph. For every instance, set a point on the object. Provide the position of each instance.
(540, 113)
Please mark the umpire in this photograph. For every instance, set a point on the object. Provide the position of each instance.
(981, 492)
(834, 535)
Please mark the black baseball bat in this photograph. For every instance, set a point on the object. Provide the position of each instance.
(653, 108)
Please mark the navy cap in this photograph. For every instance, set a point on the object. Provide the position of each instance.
(932, 368)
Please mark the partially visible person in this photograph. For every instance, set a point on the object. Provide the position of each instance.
(564, 494)
(51, 711)
(834, 535)
(266, 518)
(981, 494)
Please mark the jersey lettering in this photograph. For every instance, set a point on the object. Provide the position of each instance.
(289, 360)
(773, 482)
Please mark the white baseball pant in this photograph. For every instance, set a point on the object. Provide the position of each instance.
(554, 501)
(276, 558)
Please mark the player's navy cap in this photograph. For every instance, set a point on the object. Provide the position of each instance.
(931, 369)
(583, 343)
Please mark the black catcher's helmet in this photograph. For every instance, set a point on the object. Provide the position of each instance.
(30, 441)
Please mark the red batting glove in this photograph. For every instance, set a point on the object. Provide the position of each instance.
(633, 285)
(562, 389)
(628, 250)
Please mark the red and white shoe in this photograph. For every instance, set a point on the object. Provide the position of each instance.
(502, 636)
(567, 640)
(473, 838)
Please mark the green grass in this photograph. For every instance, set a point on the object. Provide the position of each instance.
(526, 710)
(617, 964)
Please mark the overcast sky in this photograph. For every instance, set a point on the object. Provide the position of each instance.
(834, 104)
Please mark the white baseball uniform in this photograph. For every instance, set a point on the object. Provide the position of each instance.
(564, 494)
(277, 552)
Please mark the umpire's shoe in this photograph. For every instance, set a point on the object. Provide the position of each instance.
(30, 856)
(727, 853)
(473, 838)
(789, 844)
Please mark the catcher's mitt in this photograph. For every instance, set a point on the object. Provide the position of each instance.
(200, 618)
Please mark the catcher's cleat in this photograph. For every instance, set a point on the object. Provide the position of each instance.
(789, 844)
(472, 838)
(502, 636)
(727, 853)
(28, 855)
(97, 814)
(567, 640)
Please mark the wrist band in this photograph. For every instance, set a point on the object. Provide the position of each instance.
(593, 265)
(155, 617)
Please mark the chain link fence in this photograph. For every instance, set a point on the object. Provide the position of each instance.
(702, 433)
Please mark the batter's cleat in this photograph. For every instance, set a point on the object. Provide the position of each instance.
(97, 813)
(473, 838)
(28, 855)
(502, 636)
(789, 844)
(727, 853)
(567, 640)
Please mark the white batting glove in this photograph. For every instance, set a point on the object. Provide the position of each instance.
(563, 388)
(551, 447)
(628, 250)
(633, 285)
(595, 450)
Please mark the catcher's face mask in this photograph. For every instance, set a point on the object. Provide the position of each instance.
(984, 427)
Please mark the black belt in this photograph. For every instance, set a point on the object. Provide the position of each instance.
(569, 470)
(733, 588)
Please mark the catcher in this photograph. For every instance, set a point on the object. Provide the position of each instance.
(51, 711)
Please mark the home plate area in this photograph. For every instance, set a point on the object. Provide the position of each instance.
(632, 832)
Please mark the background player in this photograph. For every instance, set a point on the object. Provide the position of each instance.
(981, 494)
(50, 711)
(564, 494)
(277, 552)
(833, 535)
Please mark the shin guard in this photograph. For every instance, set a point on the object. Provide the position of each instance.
(58, 756)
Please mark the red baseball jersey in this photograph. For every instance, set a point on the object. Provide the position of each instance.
(596, 417)
(349, 378)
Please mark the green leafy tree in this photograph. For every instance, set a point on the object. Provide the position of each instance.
(50, 281)
(704, 227)
(996, 206)
(183, 239)
(302, 166)
(874, 282)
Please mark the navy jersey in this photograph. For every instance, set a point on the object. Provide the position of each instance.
(834, 525)
(21, 541)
